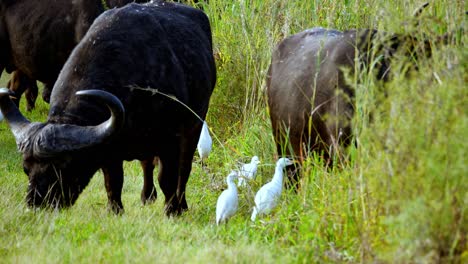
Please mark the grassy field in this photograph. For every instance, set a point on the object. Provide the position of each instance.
(402, 199)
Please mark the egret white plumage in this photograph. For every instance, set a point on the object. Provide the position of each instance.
(228, 201)
(267, 197)
(248, 171)
(204, 142)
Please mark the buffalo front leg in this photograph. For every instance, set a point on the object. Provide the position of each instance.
(148, 194)
(46, 92)
(168, 179)
(14, 84)
(288, 142)
(113, 179)
(31, 94)
(20, 83)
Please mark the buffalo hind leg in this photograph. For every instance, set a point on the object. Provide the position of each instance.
(188, 147)
(183, 179)
(113, 179)
(168, 179)
(148, 194)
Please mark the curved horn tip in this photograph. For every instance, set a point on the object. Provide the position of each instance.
(112, 102)
(103, 95)
(93, 92)
(5, 91)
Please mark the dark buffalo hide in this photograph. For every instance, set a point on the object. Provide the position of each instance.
(37, 36)
(152, 58)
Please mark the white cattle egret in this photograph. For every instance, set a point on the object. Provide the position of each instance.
(228, 201)
(204, 143)
(268, 196)
(248, 171)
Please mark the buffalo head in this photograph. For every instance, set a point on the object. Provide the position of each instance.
(58, 158)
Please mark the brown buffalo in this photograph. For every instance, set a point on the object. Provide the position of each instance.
(311, 104)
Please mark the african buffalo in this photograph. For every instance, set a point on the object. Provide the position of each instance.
(311, 104)
(156, 59)
(37, 36)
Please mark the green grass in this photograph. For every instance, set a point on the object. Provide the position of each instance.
(401, 199)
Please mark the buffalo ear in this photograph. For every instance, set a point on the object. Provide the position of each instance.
(442, 40)
(450, 37)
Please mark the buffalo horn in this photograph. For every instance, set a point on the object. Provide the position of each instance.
(18, 123)
(58, 138)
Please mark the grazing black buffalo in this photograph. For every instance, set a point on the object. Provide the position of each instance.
(311, 105)
(37, 36)
(154, 59)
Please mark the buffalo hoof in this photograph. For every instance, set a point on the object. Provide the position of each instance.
(172, 210)
(46, 92)
(30, 107)
(183, 205)
(116, 208)
(148, 196)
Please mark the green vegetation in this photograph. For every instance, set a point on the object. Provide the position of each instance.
(401, 199)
